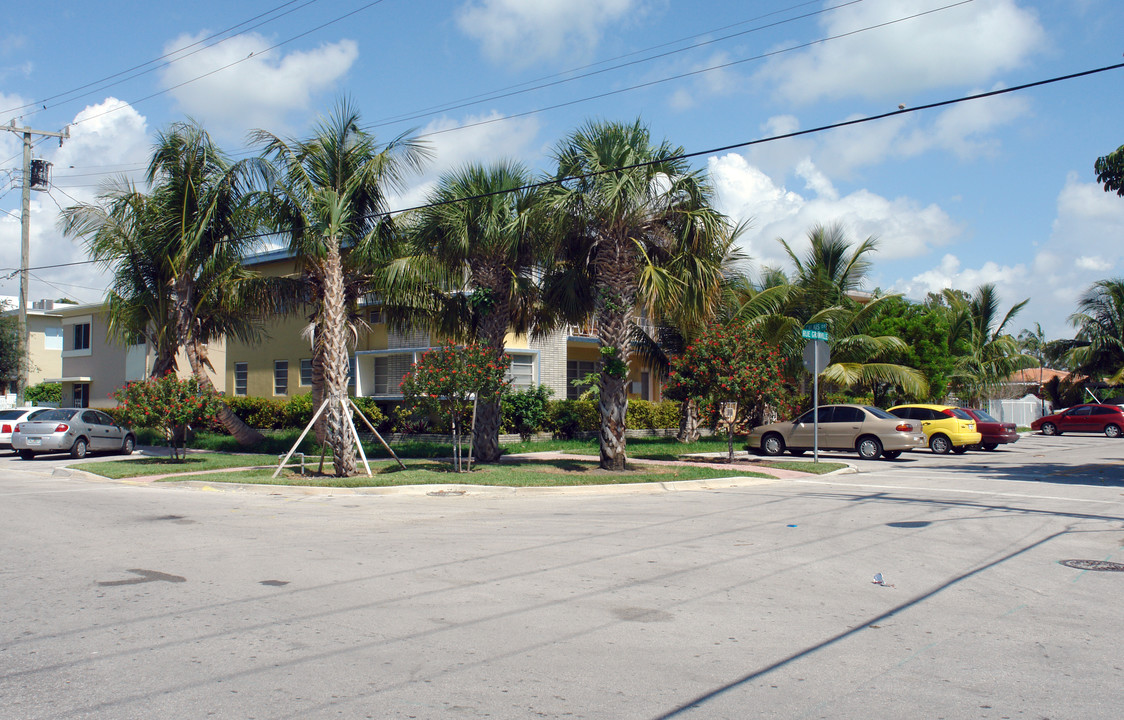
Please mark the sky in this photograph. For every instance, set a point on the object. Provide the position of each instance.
(998, 190)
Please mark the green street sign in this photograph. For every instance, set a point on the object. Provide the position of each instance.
(814, 331)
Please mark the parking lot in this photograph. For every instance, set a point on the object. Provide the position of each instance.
(759, 600)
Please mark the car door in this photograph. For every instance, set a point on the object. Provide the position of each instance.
(1076, 419)
(114, 433)
(94, 430)
(803, 428)
(846, 426)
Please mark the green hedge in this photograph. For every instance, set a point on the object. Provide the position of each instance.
(569, 417)
(296, 412)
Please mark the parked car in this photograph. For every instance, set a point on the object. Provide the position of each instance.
(869, 431)
(13, 416)
(1090, 417)
(947, 428)
(73, 430)
(993, 432)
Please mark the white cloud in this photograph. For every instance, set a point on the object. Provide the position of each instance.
(903, 227)
(968, 44)
(110, 134)
(251, 88)
(522, 33)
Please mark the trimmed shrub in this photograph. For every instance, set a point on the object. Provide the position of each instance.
(43, 393)
(526, 411)
(569, 417)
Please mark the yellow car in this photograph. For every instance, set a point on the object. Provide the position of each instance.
(948, 428)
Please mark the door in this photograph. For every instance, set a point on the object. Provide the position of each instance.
(1078, 419)
(846, 426)
(803, 434)
(98, 432)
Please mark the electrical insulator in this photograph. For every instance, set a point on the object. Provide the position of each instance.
(40, 174)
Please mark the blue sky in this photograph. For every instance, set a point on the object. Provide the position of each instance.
(998, 190)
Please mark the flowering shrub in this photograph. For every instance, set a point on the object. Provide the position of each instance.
(167, 404)
(729, 364)
(446, 378)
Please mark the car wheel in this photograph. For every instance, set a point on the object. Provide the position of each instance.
(129, 445)
(1050, 429)
(772, 444)
(891, 454)
(1112, 431)
(869, 448)
(940, 444)
(78, 450)
(960, 449)
(26, 454)
(797, 451)
(990, 446)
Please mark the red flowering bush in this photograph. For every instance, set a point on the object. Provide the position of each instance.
(445, 379)
(167, 404)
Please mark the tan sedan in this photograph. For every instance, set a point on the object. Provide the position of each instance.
(867, 430)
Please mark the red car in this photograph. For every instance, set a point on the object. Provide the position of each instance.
(994, 433)
(1090, 417)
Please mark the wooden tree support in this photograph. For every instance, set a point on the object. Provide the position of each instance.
(347, 404)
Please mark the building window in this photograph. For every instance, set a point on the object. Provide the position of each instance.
(351, 374)
(52, 338)
(82, 393)
(382, 376)
(280, 377)
(82, 337)
(522, 371)
(578, 370)
(241, 376)
(376, 316)
(306, 372)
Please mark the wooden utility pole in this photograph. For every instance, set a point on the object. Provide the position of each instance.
(25, 243)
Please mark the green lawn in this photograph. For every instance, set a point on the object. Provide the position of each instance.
(195, 462)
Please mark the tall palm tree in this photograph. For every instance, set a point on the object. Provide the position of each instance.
(1098, 349)
(624, 208)
(476, 241)
(177, 256)
(327, 194)
(207, 230)
(986, 355)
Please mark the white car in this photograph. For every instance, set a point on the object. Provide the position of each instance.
(10, 417)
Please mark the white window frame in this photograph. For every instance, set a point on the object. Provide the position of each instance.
(280, 377)
(241, 378)
(306, 364)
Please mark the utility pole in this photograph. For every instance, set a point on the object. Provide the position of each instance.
(25, 243)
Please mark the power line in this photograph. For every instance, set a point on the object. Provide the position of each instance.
(566, 76)
(709, 151)
(42, 101)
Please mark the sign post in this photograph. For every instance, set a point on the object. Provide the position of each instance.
(817, 354)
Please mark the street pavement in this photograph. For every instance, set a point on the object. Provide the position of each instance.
(755, 599)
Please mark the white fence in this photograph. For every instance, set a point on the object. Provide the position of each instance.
(1022, 412)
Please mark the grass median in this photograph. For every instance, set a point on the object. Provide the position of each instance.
(419, 471)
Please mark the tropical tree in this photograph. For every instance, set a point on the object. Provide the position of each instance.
(476, 243)
(177, 256)
(986, 355)
(1110, 171)
(327, 194)
(1098, 349)
(624, 209)
(924, 334)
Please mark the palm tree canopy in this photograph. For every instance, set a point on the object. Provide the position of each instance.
(1098, 349)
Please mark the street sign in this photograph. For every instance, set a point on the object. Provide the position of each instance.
(814, 331)
(817, 356)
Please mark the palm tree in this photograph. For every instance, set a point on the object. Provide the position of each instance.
(986, 355)
(476, 243)
(624, 208)
(177, 255)
(328, 195)
(120, 232)
(1098, 349)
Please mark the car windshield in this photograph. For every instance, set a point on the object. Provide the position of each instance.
(984, 417)
(879, 413)
(11, 414)
(57, 415)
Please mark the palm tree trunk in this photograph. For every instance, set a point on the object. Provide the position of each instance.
(616, 302)
(197, 359)
(320, 428)
(688, 421)
(336, 364)
(493, 329)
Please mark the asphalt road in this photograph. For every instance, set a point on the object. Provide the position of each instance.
(753, 600)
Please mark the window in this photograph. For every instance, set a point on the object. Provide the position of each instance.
(82, 337)
(522, 371)
(578, 370)
(306, 372)
(382, 376)
(848, 414)
(640, 387)
(82, 393)
(241, 375)
(376, 316)
(351, 373)
(280, 377)
(52, 338)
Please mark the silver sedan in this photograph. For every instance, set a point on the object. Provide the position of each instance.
(73, 430)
